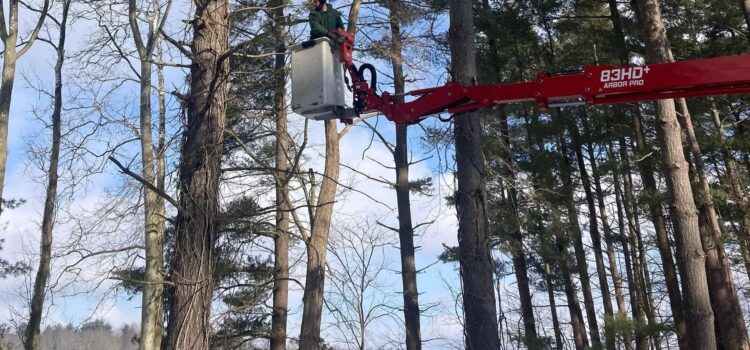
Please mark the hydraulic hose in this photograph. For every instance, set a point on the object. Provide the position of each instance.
(373, 74)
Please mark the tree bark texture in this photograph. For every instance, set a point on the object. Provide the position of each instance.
(646, 170)
(698, 314)
(475, 260)
(724, 298)
(281, 175)
(192, 273)
(36, 309)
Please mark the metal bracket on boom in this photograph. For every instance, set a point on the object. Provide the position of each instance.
(595, 85)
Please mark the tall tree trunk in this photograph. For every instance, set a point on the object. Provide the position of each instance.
(522, 280)
(192, 274)
(596, 240)
(318, 244)
(161, 162)
(321, 223)
(517, 252)
(740, 127)
(608, 234)
(6, 92)
(281, 237)
(406, 239)
(152, 312)
(475, 260)
(639, 294)
(647, 175)
(161, 171)
(723, 292)
(647, 295)
(32, 339)
(735, 186)
(646, 169)
(11, 54)
(553, 307)
(574, 305)
(152, 302)
(641, 271)
(699, 316)
(574, 232)
(508, 172)
(401, 159)
(624, 240)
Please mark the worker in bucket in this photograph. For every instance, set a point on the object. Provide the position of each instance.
(324, 20)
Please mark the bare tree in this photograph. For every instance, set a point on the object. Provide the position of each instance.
(356, 298)
(32, 340)
(9, 35)
(118, 23)
(152, 311)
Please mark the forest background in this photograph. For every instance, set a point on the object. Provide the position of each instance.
(576, 198)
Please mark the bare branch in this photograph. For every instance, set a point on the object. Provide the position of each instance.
(386, 226)
(120, 51)
(37, 28)
(380, 180)
(180, 46)
(133, 21)
(380, 136)
(149, 185)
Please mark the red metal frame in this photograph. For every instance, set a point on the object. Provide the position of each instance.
(595, 85)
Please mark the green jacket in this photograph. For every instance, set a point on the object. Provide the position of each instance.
(322, 22)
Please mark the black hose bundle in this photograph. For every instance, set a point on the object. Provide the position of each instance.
(373, 74)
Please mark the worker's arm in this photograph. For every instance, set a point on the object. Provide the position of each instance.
(316, 30)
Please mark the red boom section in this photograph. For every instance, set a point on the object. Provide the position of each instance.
(593, 86)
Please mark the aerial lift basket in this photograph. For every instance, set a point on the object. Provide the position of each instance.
(318, 90)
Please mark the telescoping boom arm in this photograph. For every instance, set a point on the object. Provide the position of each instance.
(595, 85)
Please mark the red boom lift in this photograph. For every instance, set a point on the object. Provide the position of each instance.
(593, 86)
